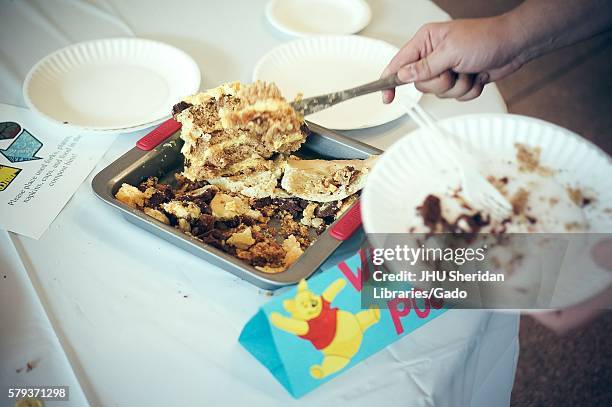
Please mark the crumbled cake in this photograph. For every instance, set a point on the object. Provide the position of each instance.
(470, 222)
(293, 250)
(519, 201)
(225, 206)
(243, 239)
(241, 190)
(528, 159)
(182, 209)
(132, 196)
(499, 183)
(308, 215)
(578, 196)
(268, 233)
(156, 214)
(447, 220)
(539, 205)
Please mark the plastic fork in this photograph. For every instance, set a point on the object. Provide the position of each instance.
(477, 190)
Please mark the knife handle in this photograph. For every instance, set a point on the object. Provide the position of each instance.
(347, 224)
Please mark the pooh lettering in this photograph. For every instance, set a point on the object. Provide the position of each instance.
(334, 332)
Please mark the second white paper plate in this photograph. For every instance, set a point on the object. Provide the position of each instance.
(319, 65)
(110, 84)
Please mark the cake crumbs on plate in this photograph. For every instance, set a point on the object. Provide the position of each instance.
(574, 226)
(578, 196)
(519, 201)
(528, 159)
(499, 183)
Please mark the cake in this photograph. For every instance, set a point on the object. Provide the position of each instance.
(235, 129)
(325, 180)
(241, 189)
(270, 234)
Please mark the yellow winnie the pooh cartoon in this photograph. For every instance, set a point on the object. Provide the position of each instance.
(335, 332)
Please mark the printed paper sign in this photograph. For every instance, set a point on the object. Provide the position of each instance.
(41, 166)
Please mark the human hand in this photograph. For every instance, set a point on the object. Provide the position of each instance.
(456, 59)
(565, 320)
(576, 316)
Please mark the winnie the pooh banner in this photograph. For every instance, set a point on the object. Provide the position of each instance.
(318, 329)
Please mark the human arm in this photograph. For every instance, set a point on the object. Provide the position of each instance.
(565, 320)
(456, 59)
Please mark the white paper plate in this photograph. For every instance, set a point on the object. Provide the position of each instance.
(315, 17)
(319, 65)
(111, 84)
(410, 170)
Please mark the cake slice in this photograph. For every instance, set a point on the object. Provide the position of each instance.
(260, 183)
(235, 129)
(325, 180)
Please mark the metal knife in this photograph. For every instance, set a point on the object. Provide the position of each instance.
(317, 103)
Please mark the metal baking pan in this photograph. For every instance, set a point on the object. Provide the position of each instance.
(158, 154)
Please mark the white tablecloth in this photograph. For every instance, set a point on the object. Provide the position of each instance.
(144, 323)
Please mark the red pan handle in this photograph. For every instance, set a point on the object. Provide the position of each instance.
(158, 134)
(348, 223)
